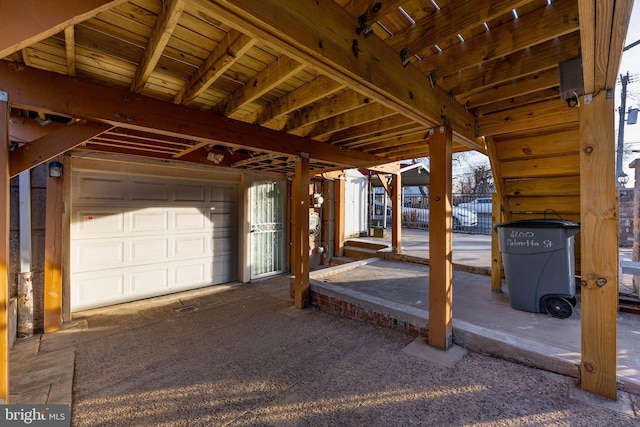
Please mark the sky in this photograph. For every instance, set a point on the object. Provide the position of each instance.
(631, 63)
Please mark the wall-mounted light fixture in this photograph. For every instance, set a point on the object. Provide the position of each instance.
(55, 169)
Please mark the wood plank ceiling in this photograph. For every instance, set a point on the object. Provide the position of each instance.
(493, 62)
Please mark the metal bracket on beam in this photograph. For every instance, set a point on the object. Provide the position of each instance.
(452, 95)
(432, 79)
(403, 57)
(4, 96)
(363, 29)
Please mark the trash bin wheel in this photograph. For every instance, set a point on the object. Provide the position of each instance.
(558, 307)
(573, 301)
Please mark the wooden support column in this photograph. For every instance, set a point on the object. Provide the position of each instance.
(440, 240)
(53, 255)
(599, 245)
(396, 217)
(4, 248)
(339, 212)
(497, 214)
(301, 232)
(496, 255)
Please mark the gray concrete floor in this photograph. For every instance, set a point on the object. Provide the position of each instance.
(242, 355)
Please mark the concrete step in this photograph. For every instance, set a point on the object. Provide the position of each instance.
(365, 244)
(357, 253)
(340, 260)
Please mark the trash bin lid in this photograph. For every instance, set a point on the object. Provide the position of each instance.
(539, 223)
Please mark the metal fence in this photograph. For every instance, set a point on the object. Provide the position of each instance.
(471, 212)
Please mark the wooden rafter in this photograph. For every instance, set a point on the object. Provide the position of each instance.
(331, 106)
(276, 73)
(160, 35)
(52, 145)
(306, 94)
(539, 58)
(46, 18)
(454, 18)
(323, 129)
(228, 51)
(544, 24)
(373, 71)
(531, 84)
(70, 49)
(50, 92)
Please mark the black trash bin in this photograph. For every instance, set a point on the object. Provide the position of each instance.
(539, 264)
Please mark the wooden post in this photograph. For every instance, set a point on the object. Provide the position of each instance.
(4, 248)
(396, 218)
(440, 241)
(497, 214)
(496, 255)
(53, 255)
(599, 246)
(339, 212)
(301, 231)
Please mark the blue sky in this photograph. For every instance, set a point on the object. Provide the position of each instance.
(631, 63)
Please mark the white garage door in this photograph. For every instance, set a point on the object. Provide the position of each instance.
(137, 237)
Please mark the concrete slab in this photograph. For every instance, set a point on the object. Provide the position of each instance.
(627, 403)
(43, 375)
(419, 347)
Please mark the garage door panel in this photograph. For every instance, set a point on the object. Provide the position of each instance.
(193, 274)
(190, 193)
(88, 290)
(188, 220)
(163, 235)
(149, 191)
(190, 246)
(152, 281)
(93, 255)
(149, 250)
(99, 222)
(92, 188)
(149, 221)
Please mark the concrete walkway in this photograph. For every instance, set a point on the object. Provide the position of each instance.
(243, 356)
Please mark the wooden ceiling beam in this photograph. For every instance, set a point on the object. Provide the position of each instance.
(456, 17)
(329, 107)
(536, 116)
(311, 92)
(302, 29)
(374, 9)
(46, 18)
(70, 49)
(389, 134)
(276, 73)
(544, 24)
(518, 101)
(323, 129)
(372, 130)
(226, 53)
(53, 144)
(530, 61)
(160, 34)
(39, 90)
(530, 84)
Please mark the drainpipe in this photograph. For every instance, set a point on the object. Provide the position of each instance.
(25, 283)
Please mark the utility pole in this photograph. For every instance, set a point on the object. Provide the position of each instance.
(620, 175)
